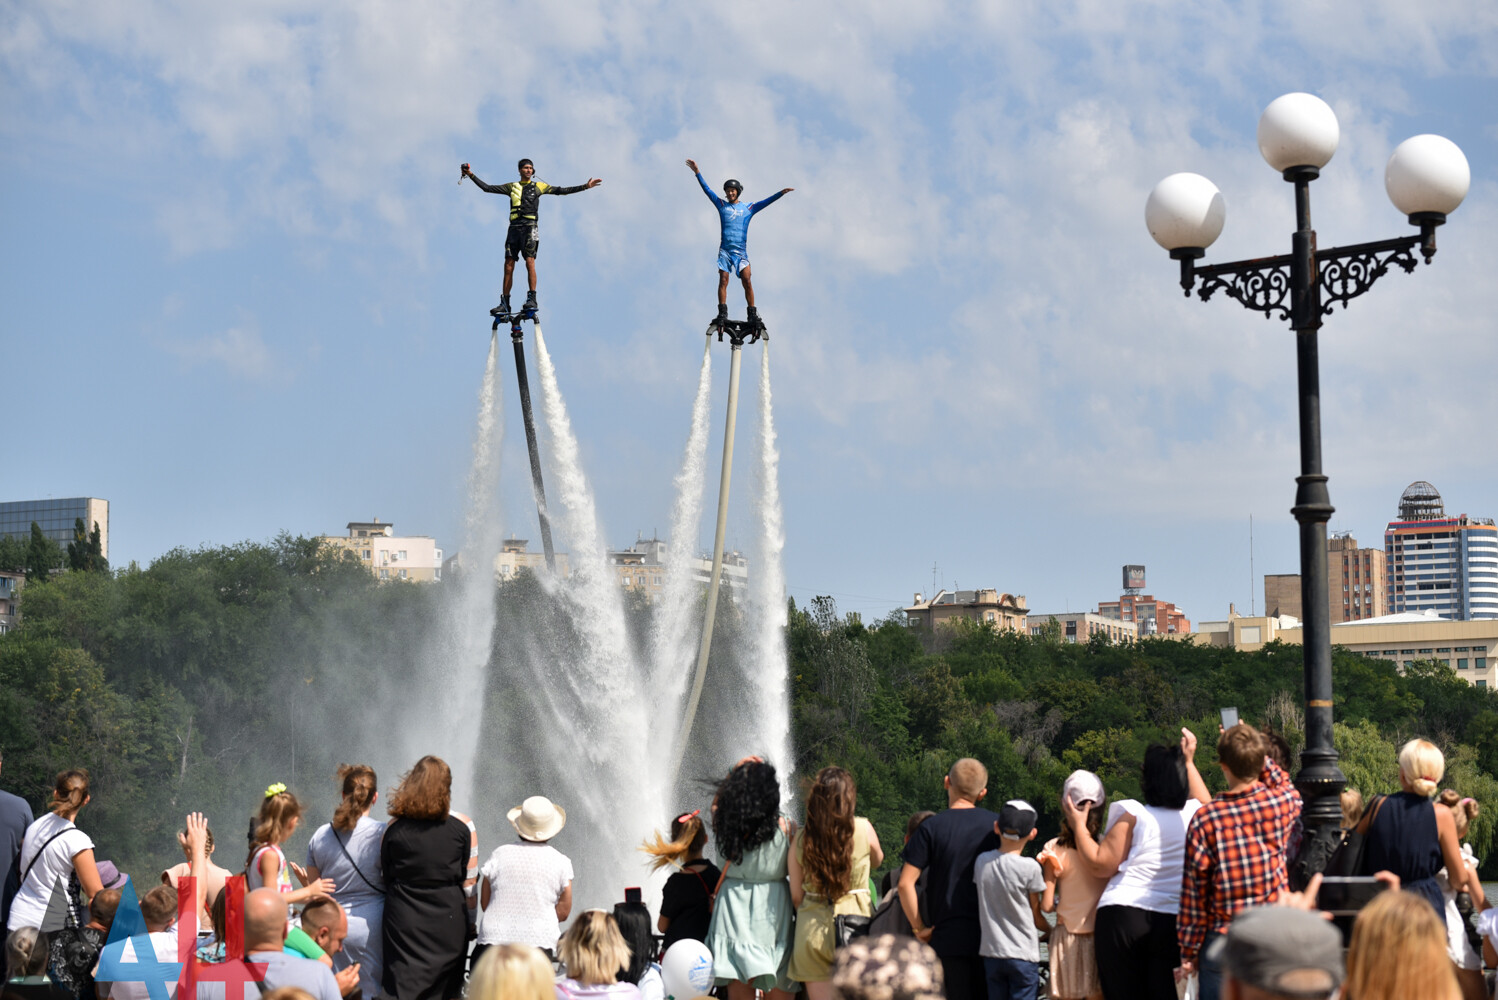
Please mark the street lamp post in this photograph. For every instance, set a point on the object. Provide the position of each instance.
(1426, 178)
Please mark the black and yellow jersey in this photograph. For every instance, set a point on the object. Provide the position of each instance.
(524, 196)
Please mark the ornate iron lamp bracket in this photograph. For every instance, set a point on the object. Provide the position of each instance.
(1264, 285)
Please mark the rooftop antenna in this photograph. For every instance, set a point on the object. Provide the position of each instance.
(933, 577)
(1251, 608)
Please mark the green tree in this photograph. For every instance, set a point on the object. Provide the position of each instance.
(86, 550)
(12, 554)
(43, 555)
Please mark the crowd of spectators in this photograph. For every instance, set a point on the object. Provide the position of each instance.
(1182, 891)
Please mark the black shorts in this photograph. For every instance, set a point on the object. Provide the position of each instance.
(523, 240)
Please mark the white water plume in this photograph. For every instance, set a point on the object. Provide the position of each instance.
(766, 667)
(459, 660)
(674, 641)
(603, 714)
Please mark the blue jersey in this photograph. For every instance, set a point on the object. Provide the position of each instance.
(735, 216)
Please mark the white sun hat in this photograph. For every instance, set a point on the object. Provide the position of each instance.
(538, 818)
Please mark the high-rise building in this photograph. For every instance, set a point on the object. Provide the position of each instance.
(1356, 585)
(56, 518)
(1447, 565)
(387, 555)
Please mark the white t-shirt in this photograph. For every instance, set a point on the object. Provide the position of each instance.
(164, 943)
(1150, 877)
(525, 881)
(51, 870)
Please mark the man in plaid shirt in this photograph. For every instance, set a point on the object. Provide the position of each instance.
(1235, 848)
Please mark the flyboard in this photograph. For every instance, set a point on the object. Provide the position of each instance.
(738, 332)
(517, 338)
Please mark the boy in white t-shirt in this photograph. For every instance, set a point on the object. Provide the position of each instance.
(1009, 889)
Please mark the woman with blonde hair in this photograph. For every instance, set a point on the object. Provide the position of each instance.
(347, 850)
(429, 858)
(1466, 959)
(512, 972)
(594, 953)
(54, 850)
(1398, 951)
(829, 872)
(687, 898)
(1408, 835)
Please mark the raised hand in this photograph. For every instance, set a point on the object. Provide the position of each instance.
(692, 166)
(593, 182)
(1188, 743)
(786, 190)
(197, 834)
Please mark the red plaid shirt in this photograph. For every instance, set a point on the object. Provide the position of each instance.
(1235, 856)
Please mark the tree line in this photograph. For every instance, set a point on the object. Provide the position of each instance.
(194, 681)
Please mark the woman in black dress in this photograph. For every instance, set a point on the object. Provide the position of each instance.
(686, 902)
(429, 857)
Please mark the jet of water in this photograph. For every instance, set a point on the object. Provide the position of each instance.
(767, 607)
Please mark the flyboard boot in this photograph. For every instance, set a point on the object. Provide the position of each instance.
(528, 311)
(501, 312)
(719, 322)
(756, 326)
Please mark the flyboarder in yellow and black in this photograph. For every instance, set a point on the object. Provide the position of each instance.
(523, 238)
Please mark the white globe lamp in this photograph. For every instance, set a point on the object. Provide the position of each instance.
(1298, 130)
(1427, 177)
(1185, 213)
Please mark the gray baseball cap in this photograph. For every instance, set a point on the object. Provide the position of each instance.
(1288, 952)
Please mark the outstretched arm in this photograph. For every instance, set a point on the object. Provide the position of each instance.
(770, 200)
(491, 188)
(712, 195)
(593, 182)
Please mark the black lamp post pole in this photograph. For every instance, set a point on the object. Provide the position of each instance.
(1292, 287)
(1320, 779)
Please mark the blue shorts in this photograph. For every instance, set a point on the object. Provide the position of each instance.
(732, 261)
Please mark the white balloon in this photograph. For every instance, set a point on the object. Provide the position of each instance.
(687, 970)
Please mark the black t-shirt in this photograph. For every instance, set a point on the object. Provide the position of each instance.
(684, 902)
(945, 847)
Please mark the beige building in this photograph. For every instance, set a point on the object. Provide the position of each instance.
(515, 555)
(1242, 633)
(390, 556)
(1080, 626)
(642, 567)
(1470, 648)
(1002, 611)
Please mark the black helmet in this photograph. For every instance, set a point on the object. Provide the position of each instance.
(733, 185)
(525, 163)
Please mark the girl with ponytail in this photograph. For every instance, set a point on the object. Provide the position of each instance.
(1409, 835)
(347, 850)
(280, 812)
(829, 870)
(55, 851)
(686, 900)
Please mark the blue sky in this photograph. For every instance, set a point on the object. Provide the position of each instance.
(245, 293)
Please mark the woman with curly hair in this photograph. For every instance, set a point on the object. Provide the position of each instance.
(429, 859)
(829, 875)
(751, 927)
(1398, 951)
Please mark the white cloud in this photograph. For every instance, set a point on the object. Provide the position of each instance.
(239, 351)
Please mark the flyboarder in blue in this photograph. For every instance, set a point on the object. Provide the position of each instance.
(733, 251)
